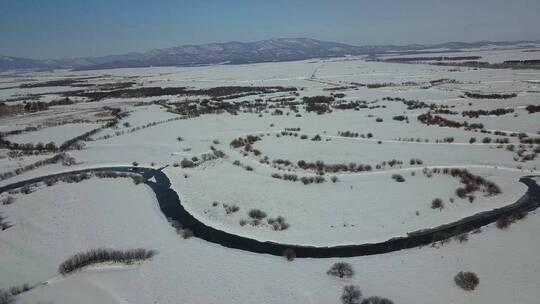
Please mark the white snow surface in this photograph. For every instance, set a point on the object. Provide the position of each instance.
(55, 222)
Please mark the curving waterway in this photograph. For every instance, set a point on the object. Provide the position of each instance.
(171, 206)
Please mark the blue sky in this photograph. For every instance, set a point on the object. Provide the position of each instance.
(62, 28)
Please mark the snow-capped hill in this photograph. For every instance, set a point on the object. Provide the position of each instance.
(234, 52)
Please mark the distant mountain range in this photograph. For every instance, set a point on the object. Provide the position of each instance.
(282, 49)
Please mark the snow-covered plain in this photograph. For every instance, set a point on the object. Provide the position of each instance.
(55, 222)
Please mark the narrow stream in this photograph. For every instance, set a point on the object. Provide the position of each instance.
(171, 206)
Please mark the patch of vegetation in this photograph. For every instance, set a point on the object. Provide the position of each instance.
(467, 280)
(257, 214)
(103, 255)
(351, 295)
(398, 178)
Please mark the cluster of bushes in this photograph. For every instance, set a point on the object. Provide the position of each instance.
(138, 128)
(244, 142)
(532, 108)
(216, 93)
(65, 159)
(412, 139)
(490, 96)
(218, 105)
(350, 105)
(415, 161)
(529, 140)
(287, 177)
(478, 113)
(429, 119)
(197, 161)
(384, 84)
(297, 129)
(467, 280)
(318, 104)
(306, 180)
(137, 178)
(505, 221)
(444, 111)
(103, 255)
(354, 134)
(448, 139)
(28, 148)
(416, 104)
(256, 216)
(521, 154)
(471, 182)
(434, 58)
(320, 167)
(77, 178)
(278, 224)
(394, 162)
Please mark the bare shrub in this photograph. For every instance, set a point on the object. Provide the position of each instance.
(176, 225)
(4, 224)
(50, 182)
(398, 178)
(462, 238)
(27, 189)
(186, 163)
(102, 255)
(8, 200)
(279, 223)
(5, 297)
(466, 280)
(16, 290)
(377, 300)
(351, 295)
(137, 179)
(231, 208)
(257, 214)
(290, 177)
(186, 233)
(341, 270)
(437, 204)
(289, 254)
